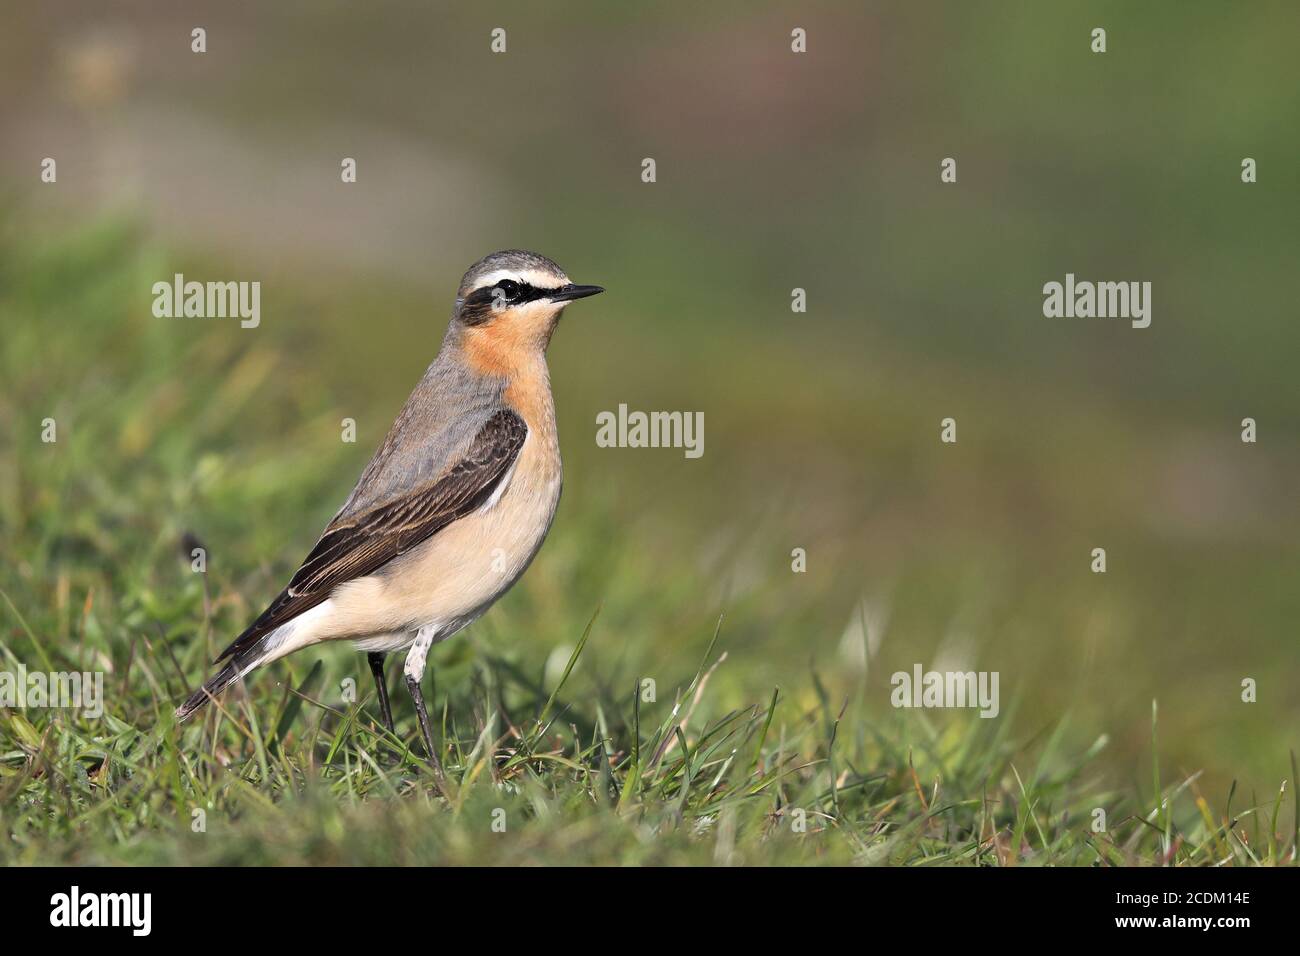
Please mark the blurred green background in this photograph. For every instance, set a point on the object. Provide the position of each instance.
(775, 171)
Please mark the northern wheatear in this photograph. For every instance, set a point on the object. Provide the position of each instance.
(454, 504)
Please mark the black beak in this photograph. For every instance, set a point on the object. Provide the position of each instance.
(567, 293)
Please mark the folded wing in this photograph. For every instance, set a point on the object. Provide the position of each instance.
(356, 545)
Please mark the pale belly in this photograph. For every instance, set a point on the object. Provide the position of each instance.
(454, 576)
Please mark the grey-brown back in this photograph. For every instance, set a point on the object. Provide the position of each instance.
(435, 427)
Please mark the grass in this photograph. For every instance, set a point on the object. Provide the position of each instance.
(556, 749)
(282, 777)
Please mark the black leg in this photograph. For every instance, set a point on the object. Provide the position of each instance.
(376, 659)
(413, 685)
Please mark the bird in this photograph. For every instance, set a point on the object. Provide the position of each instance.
(452, 508)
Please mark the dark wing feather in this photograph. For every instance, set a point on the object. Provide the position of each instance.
(360, 544)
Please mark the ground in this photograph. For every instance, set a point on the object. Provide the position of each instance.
(662, 687)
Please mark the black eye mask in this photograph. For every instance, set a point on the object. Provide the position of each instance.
(481, 304)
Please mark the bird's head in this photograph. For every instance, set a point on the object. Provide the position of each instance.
(513, 299)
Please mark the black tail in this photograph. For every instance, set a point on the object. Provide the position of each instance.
(219, 681)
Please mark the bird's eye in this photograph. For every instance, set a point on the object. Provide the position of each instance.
(509, 288)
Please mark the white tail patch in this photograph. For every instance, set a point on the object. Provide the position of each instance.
(304, 630)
